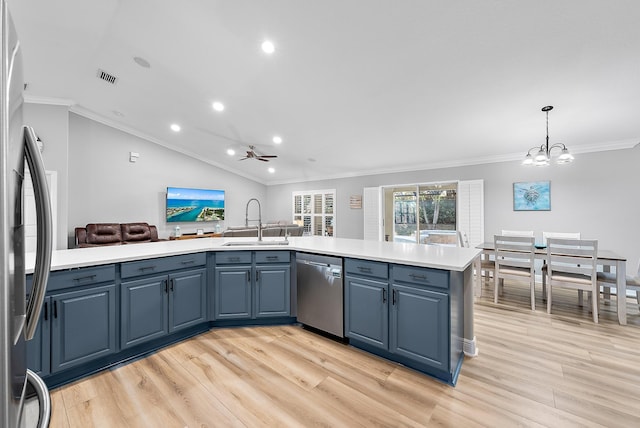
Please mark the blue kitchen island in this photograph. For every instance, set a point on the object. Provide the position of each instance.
(409, 303)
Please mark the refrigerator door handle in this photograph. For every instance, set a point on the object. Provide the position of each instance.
(44, 236)
(43, 397)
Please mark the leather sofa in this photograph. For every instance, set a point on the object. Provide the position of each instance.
(269, 229)
(99, 234)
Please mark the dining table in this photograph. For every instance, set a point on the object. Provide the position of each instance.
(605, 258)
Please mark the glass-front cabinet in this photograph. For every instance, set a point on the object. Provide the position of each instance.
(315, 211)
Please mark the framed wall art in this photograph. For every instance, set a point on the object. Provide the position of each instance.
(532, 196)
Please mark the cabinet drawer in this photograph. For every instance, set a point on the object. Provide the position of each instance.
(164, 264)
(233, 257)
(420, 276)
(366, 268)
(81, 277)
(273, 256)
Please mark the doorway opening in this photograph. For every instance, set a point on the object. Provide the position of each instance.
(421, 214)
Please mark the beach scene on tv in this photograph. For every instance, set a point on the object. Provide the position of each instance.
(187, 205)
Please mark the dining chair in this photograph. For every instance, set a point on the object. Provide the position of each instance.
(608, 279)
(571, 263)
(561, 235)
(514, 261)
(486, 265)
(463, 239)
(517, 232)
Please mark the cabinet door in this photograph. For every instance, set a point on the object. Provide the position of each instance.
(39, 348)
(143, 310)
(83, 326)
(233, 292)
(187, 299)
(420, 325)
(272, 291)
(367, 314)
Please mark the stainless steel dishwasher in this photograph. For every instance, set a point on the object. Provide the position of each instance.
(320, 292)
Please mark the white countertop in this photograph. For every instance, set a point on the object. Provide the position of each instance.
(439, 257)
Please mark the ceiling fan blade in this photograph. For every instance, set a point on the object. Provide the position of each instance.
(251, 154)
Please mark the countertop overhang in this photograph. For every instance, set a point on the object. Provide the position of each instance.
(431, 256)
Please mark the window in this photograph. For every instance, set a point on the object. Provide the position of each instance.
(315, 211)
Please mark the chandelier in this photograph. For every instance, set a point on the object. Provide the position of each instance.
(543, 154)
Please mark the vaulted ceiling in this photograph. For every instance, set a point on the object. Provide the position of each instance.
(354, 87)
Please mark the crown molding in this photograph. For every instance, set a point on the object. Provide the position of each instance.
(513, 157)
(48, 101)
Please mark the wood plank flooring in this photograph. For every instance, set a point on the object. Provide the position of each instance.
(534, 369)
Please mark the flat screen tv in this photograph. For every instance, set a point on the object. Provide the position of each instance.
(194, 205)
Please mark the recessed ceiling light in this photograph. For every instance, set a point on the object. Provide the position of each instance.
(175, 127)
(218, 106)
(271, 170)
(141, 62)
(268, 47)
(118, 113)
(277, 139)
(231, 152)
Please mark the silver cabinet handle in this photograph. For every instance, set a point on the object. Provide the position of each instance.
(43, 397)
(44, 236)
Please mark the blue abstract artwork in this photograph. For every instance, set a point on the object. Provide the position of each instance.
(532, 196)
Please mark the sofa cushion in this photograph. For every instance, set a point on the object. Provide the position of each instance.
(272, 231)
(136, 232)
(104, 233)
(242, 228)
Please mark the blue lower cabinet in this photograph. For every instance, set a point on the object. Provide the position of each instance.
(233, 292)
(156, 306)
(406, 318)
(251, 285)
(367, 313)
(187, 299)
(144, 310)
(83, 326)
(272, 291)
(419, 325)
(39, 348)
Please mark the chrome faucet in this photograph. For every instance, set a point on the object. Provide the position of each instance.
(246, 217)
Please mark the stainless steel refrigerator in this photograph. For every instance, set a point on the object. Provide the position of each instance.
(19, 315)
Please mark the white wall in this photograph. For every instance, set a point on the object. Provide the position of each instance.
(105, 187)
(595, 195)
(51, 123)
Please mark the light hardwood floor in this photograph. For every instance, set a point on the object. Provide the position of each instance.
(534, 369)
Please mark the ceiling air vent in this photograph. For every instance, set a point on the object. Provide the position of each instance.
(107, 77)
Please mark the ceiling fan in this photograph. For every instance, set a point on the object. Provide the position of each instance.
(251, 154)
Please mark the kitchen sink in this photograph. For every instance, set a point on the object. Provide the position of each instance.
(249, 243)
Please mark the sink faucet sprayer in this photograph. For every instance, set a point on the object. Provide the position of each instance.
(246, 217)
